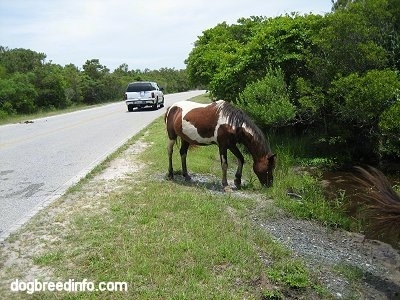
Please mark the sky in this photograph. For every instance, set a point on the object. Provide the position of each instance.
(150, 34)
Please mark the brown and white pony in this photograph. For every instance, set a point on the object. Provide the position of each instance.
(222, 124)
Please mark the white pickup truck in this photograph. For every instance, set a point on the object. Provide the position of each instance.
(143, 93)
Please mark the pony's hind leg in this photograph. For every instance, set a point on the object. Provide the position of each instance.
(224, 165)
(171, 144)
(183, 151)
(240, 160)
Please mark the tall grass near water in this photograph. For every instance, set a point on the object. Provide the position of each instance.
(296, 189)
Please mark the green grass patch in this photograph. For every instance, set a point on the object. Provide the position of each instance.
(167, 243)
(350, 272)
(48, 258)
(292, 273)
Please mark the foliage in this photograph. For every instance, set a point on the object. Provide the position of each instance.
(389, 125)
(267, 100)
(293, 274)
(340, 74)
(360, 100)
(29, 84)
(18, 94)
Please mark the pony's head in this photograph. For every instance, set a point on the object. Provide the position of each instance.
(264, 168)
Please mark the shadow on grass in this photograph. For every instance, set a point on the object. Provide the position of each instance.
(212, 184)
(205, 181)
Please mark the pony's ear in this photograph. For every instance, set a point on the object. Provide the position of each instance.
(272, 158)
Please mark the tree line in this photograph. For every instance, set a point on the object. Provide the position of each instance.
(29, 84)
(335, 77)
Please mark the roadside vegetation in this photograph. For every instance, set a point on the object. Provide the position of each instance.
(325, 88)
(29, 84)
(332, 78)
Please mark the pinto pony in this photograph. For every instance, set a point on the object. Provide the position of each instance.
(222, 124)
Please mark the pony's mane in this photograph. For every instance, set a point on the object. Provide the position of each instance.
(237, 118)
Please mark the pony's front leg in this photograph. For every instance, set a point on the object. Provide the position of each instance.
(240, 160)
(183, 151)
(224, 165)
(171, 144)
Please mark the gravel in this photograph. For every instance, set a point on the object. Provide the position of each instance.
(327, 251)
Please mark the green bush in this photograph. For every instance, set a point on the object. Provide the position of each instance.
(367, 105)
(17, 94)
(390, 127)
(267, 100)
(361, 99)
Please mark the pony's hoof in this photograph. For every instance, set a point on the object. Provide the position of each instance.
(227, 189)
(188, 178)
(170, 176)
(238, 183)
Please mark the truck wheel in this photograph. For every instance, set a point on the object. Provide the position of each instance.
(162, 103)
(130, 108)
(155, 106)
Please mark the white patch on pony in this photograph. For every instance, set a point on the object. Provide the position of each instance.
(248, 129)
(191, 131)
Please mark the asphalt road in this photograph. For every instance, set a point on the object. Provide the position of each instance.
(39, 161)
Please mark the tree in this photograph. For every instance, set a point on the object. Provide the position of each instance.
(363, 105)
(20, 60)
(73, 84)
(339, 72)
(214, 51)
(94, 69)
(50, 85)
(18, 94)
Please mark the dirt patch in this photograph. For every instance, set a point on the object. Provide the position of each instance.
(125, 165)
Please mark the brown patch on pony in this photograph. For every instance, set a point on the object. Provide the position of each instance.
(226, 135)
(205, 119)
(173, 119)
(174, 122)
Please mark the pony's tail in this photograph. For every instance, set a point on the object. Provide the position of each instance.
(166, 114)
(178, 139)
(382, 209)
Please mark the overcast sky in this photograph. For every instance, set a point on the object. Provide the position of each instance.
(141, 33)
